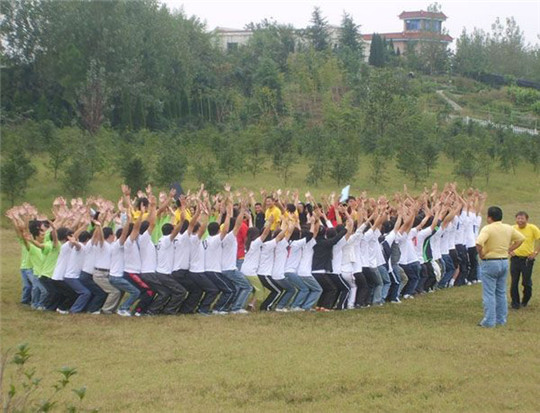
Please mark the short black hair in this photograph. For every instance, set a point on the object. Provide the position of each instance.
(84, 236)
(213, 228)
(523, 214)
(495, 213)
(258, 203)
(144, 227)
(291, 208)
(119, 232)
(63, 233)
(34, 227)
(107, 232)
(142, 201)
(167, 229)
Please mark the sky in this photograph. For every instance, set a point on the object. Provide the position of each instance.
(372, 16)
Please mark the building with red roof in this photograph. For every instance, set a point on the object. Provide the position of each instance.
(418, 26)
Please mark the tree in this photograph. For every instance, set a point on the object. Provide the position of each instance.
(93, 99)
(376, 51)
(467, 166)
(317, 33)
(170, 166)
(350, 49)
(76, 177)
(15, 173)
(134, 173)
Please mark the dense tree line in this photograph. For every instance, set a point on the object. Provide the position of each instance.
(103, 82)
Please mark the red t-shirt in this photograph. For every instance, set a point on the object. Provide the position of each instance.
(241, 239)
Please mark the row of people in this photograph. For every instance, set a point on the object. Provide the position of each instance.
(209, 254)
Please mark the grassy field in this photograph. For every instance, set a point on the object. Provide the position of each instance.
(425, 354)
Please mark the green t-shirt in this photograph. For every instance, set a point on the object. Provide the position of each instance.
(25, 261)
(35, 258)
(50, 256)
(157, 233)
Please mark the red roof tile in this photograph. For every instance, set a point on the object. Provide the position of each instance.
(420, 14)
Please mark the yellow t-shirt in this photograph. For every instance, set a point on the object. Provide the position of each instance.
(178, 213)
(135, 213)
(531, 234)
(276, 213)
(496, 238)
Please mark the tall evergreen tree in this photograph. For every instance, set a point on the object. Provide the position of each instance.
(376, 51)
(317, 33)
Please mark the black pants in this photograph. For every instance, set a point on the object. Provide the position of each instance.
(194, 292)
(208, 287)
(343, 291)
(275, 292)
(521, 266)
(61, 295)
(98, 295)
(431, 279)
(372, 279)
(330, 291)
(226, 289)
(362, 290)
(170, 294)
(473, 263)
(464, 266)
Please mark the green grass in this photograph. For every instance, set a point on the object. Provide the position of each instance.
(424, 355)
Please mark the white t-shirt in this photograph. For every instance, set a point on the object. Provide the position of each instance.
(117, 259)
(470, 223)
(266, 260)
(306, 262)
(337, 255)
(460, 229)
(196, 255)
(294, 256)
(251, 260)
(375, 246)
(349, 258)
(406, 247)
(165, 255)
(89, 257)
(61, 263)
(212, 253)
(102, 257)
(228, 254)
(443, 243)
(435, 243)
(75, 262)
(182, 248)
(368, 254)
(477, 224)
(451, 228)
(280, 259)
(419, 243)
(148, 253)
(132, 257)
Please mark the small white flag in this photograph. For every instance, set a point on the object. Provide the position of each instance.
(345, 193)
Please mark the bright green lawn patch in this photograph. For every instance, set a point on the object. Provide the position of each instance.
(426, 354)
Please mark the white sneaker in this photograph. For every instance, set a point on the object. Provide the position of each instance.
(296, 309)
(123, 313)
(62, 311)
(137, 314)
(451, 283)
(96, 312)
(219, 312)
(408, 297)
(241, 311)
(282, 310)
(396, 301)
(469, 283)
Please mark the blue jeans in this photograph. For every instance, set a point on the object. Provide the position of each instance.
(242, 286)
(26, 277)
(494, 274)
(39, 292)
(298, 283)
(124, 285)
(413, 273)
(288, 292)
(449, 271)
(315, 291)
(83, 294)
(386, 281)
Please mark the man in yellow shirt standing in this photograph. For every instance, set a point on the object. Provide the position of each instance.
(522, 261)
(494, 243)
(272, 210)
